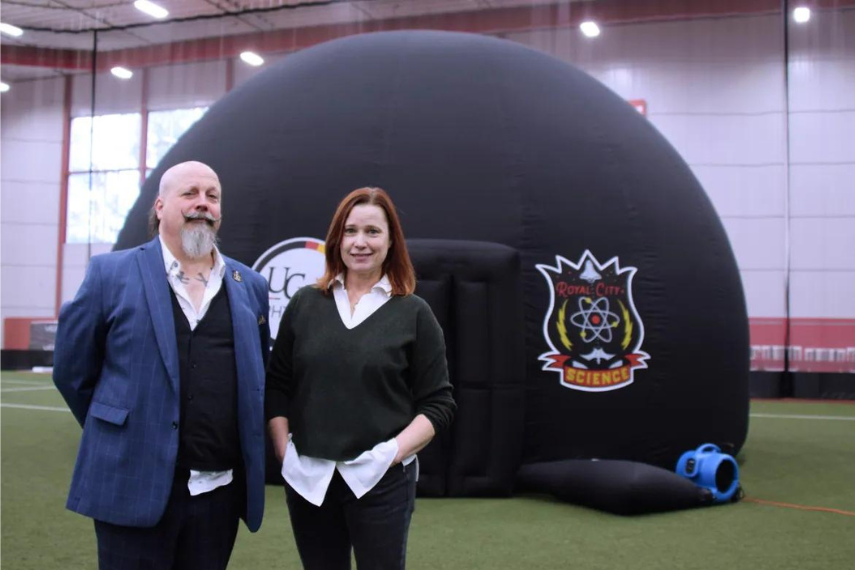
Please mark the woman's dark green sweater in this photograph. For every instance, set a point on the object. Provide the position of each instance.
(344, 391)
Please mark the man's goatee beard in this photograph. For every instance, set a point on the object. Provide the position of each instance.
(198, 240)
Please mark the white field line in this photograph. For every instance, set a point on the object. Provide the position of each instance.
(28, 407)
(801, 417)
(26, 382)
(28, 389)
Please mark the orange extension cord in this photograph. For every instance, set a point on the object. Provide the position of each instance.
(800, 507)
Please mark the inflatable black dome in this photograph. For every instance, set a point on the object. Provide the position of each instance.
(608, 320)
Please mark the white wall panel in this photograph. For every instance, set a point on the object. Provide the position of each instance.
(29, 202)
(74, 255)
(818, 84)
(31, 162)
(244, 71)
(30, 287)
(727, 139)
(112, 95)
(692, 87)
(822, 190)
(28, 245)
(758, 243)
(822, 168)
(744, 191)
(747, 39)
(186, 85)
(764, 293)
(41, 124)
(828, 33)
(72, 277)
(27, 161)
(823, 244)
(27, 312)
(33, 95)
(822, 294)
(74, 263)
(822, 137)
(78, 254)
(32, 111)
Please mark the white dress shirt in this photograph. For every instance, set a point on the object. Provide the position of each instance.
(200, 481)
(310, 476)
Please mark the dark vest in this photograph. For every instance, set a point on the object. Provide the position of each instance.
(208, 437)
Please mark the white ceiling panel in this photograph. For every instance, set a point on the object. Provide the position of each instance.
(120, 39)
(339, 13)
(183, 31)
(78, 4)
(53, 18)
(258, 21)
(190, 8)
(126, 14)
(383, 9)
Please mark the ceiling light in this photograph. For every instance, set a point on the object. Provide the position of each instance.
(801, 14)
(252, 58)
(3, 87)
(590, 29)
(151, 9)
(122, 73)
(11, 30)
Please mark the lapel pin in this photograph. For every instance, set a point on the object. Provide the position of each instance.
(261, 320)
(236, 276)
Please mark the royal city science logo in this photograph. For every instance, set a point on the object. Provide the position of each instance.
(592, 326)
(288, 266)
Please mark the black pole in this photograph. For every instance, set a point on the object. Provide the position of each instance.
(92, 137)
(787, 388)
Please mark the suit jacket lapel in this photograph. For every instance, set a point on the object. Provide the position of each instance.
(160, 306)
(244, 324)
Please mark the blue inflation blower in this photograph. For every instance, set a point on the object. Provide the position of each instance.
(708, 467)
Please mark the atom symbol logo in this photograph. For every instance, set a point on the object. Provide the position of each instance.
(594, 319)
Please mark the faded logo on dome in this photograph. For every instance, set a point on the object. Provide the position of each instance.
(592, 326)
(287, 266)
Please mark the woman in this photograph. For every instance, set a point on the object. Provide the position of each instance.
(357, 385)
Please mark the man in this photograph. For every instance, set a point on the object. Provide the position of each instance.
(161, 358)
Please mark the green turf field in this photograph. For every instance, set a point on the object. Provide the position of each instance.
(797, 453)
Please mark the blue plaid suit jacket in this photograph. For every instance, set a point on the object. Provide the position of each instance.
(116, 365)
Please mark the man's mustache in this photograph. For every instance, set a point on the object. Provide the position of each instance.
(207, 216)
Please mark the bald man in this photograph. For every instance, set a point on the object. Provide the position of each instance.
(161, 358)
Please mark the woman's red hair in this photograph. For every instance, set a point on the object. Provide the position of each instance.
(397, 265)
